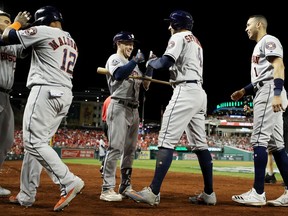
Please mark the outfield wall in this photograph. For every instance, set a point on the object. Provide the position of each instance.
(225, 153)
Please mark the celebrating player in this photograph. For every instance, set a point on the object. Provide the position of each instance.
(185, 112)
(9, 53)
(122, 115)
(267, 79)
(54, 54)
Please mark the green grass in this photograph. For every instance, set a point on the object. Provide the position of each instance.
(224, 168)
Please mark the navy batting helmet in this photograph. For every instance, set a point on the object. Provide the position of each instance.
(123, 36)
(46, 15)
(180, 20)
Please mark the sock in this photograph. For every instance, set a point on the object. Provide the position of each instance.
(125, 179)
(126, 176)
(260, 162)
(206, 164)
(163, 163)
(281, 160)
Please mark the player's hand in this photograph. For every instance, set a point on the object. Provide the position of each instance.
(146, 84)
(277, 104)
(237, 95)
(151, 57)
(23, 18)
(139, 58)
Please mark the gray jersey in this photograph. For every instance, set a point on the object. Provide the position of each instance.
(125, 89)
(261, 69)
(188, 57)
(187, 107)
(122, 140)
(56, 49)
(268, 125)
(9, 54)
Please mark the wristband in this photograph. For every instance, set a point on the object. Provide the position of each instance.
(149, 71)
(16, 25)
(248, 87)
(278, 83)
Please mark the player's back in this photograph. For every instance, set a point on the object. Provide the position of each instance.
(54, 55)
(187, 52)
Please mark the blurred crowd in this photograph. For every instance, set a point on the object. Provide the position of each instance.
(86, 138)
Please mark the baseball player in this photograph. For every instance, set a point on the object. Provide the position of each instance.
(105, 130)
(122, 115)
(9, 54)
(54, 55)
(185, 112)
(104, 114)
(267, 80)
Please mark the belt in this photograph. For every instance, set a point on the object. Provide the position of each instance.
(184, 81)
(258, 86)
(128, 104)
(7, 91)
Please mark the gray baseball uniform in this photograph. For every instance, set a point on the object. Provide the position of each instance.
(9, 54)
(267, 78)
(268, 125)
(185, 111)
(187, 108)
(122, 120)
(53, 58)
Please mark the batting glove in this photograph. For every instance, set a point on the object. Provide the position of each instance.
(23, 18)
(139, 58)
(152, 57)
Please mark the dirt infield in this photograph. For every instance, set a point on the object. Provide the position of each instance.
(176, 189)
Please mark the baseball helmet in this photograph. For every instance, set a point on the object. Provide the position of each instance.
(2, 13)
(123, 36)
(180, 20)
(46, 15)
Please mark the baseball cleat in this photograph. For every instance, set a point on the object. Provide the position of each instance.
(145, 196)
(14, 200)
(66, 199)
(4, 192)
(110, 195)
(123, 189)
(270, 179)
(204, 198)
(281, 201)
(251, 198)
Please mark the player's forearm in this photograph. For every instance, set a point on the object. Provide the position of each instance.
(279, 69)
(278, 76)
(5, 35)
(162, 63)
(124, 71)
(10, 36)
(248, 89)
